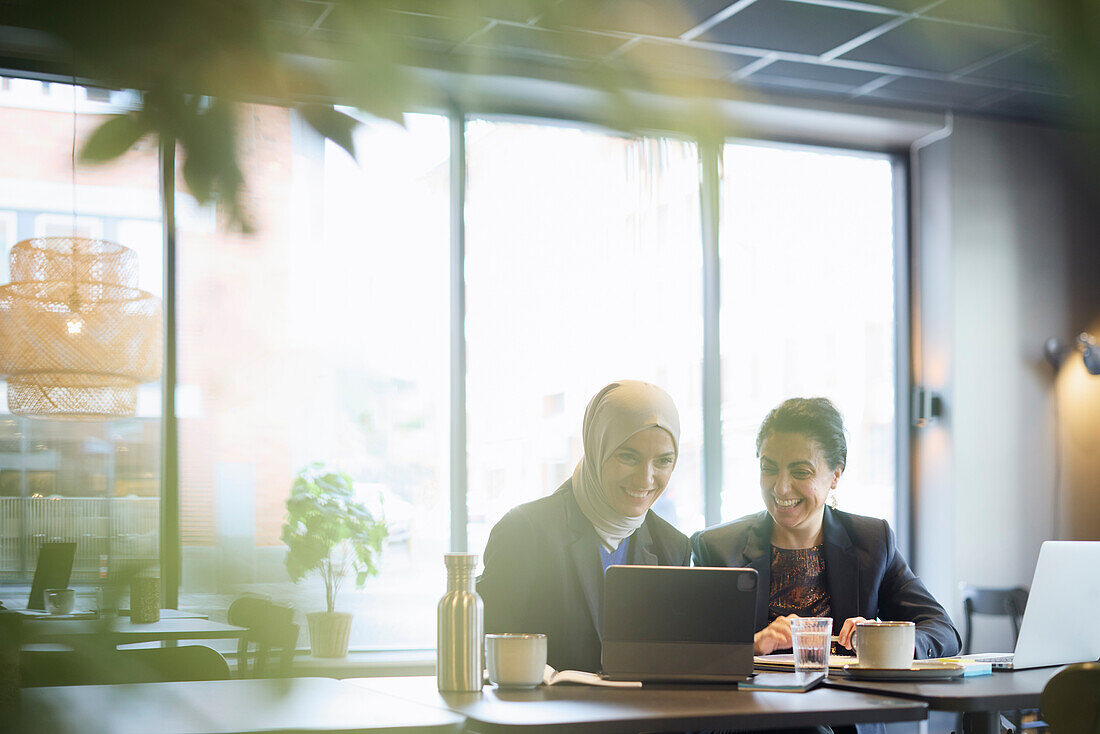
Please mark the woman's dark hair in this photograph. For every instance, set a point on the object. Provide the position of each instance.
(815, 418)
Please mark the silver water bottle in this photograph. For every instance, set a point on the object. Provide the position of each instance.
(460, 630)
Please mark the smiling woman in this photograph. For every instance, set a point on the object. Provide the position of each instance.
(816, 561)
(545, 560)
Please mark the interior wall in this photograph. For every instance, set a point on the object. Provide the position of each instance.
(1000, 254)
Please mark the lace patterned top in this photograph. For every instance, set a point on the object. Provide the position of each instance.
(798, 583)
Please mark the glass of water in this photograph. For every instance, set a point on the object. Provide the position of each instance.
(812, 638)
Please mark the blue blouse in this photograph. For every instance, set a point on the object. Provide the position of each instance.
(616, 557)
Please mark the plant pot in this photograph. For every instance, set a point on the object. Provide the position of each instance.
(328, 634)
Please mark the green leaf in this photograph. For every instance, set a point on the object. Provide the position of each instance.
(114, 137)
(326, 530)
(334, 125)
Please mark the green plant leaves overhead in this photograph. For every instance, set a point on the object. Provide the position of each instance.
(114, 137)
(334, 125)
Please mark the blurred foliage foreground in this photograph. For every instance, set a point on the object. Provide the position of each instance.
(194, 58)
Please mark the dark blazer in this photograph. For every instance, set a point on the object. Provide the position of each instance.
(543, 574)
(866, 575)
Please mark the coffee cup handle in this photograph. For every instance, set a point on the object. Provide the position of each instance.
(855, 640)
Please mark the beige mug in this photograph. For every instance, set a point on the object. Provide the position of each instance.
(515, 660)
(885, 644)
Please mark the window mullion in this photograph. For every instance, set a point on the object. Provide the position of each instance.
(458, 332)
(710, 202)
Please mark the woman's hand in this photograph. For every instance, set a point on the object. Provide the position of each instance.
(776, 636)
(848, 630)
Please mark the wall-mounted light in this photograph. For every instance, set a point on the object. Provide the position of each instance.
(1056, 352)
(927, 406)
(1089, 352)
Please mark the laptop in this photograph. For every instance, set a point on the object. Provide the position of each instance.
(1057, 627)
(676, 623)
(55, 565)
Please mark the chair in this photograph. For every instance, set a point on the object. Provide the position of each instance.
(1070, 702)
(156, 664)
(989, 601)
(1008, 602)
(46, 667)
(271, 627)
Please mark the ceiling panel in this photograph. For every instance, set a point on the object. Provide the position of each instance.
(1036, 66)
(551, 43)
(1014, 14)
(954, 94)
(904, 6)
(683, 59)
(1029, 105)
(816, 73)
(443, 30)
(796, 27)
(518, 11)
(936, 46)
(646, 17)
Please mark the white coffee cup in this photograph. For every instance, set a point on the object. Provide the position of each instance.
(515, 660)
(59, 601)
(885, 644)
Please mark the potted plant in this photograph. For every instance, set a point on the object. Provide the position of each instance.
(328, 531)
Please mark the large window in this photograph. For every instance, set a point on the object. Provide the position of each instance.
(807, 278)
(93, 483)
(327, 334)
(320, 337)
(583, 266)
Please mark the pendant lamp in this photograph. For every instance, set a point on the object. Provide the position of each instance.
(76, 334)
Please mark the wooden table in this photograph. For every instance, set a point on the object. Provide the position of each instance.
(319, 705)
(121, 630)
(593, 709)
(978, 698)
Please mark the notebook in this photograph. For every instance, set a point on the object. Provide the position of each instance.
(1057, 628)
(673, 623)
(55, 565)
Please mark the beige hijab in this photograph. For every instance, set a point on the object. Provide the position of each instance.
(615, 414)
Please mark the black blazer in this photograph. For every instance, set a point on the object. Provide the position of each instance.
(543, 574)
(866, 575)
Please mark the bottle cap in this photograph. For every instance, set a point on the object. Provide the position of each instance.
(460, 560)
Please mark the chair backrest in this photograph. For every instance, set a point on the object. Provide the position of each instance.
(156, 664)
(1070, 703)
(46, 667)
(271, 629)
(1008, 602)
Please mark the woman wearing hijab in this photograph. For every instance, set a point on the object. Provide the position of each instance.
(545, 560)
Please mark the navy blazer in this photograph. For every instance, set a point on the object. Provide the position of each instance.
(543, 574)
(866, 575)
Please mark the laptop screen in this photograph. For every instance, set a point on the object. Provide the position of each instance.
(55, 565)
(673, 604)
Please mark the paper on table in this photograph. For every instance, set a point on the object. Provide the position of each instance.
(785, 661)
(970, 667)
(552, 677)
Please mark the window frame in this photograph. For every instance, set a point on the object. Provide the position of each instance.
(710, 151)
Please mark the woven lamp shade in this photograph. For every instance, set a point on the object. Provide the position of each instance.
(76, 335)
